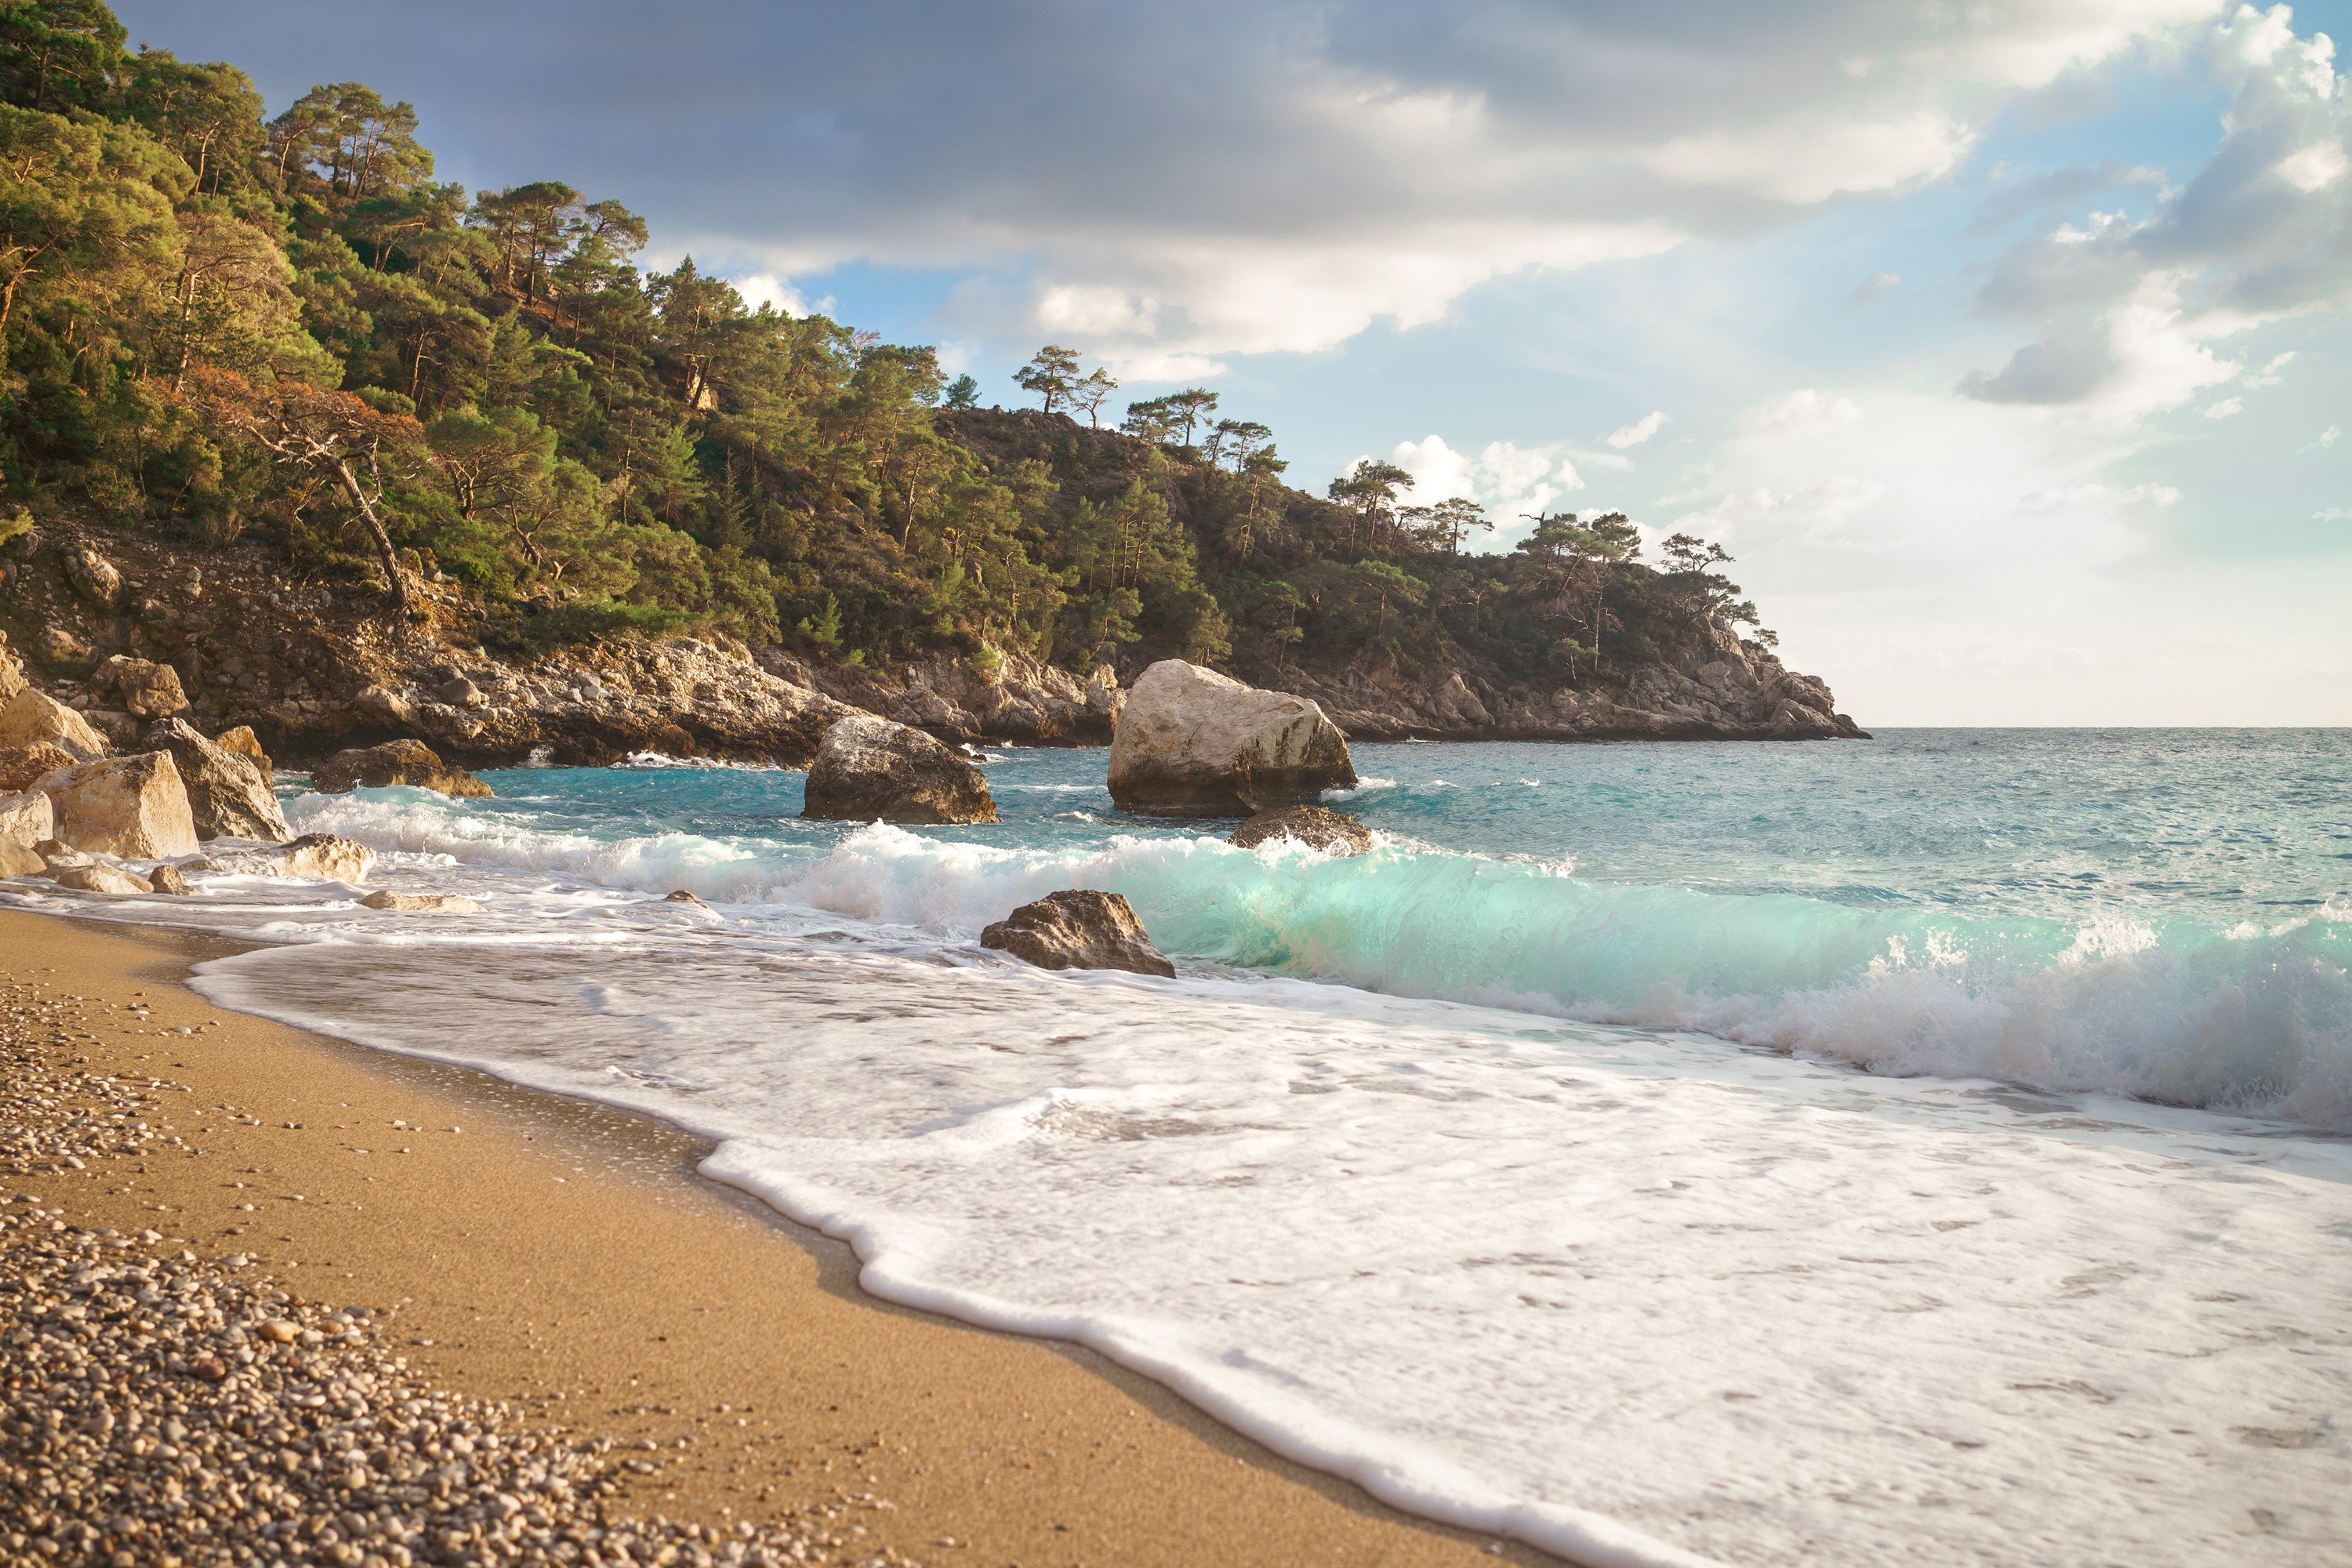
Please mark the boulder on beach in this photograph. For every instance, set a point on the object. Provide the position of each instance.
(420, 903)
(147, 690)
(96, 878)
(20, 765)
(1192, 743)
(393, 763)
(868, 768)
(26, 819)
(133, 806)
(228, 794)
(1079, 929)
(34, 718)
(1316, 827)
(169, 878)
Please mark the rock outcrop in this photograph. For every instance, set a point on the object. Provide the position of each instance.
(1316, 827)
(241, 739)
(393, 763)
(20, 765)
(1007, 696)
(1192, 743)
(420, 903)
(34, 718)
(12, 671)
(147, 690)
(868, 769)
(131, 806)
(1079, 929)
(228, 795)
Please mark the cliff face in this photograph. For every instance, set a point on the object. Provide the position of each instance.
(314, 665)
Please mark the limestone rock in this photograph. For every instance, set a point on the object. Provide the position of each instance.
(94, 577)
(12, 671)
(326, 856)
(421, 904)
(393, 763)
(28, 818)
(1079, 929)
(1192, 743)
(20, 765)
(100, 879)
(228, 794)
(33, 717)
(867, 767)
(1317, 826)
(59, 645)
(246, 743)
(134, 807)
(149, 689)
(20, 860)
(169, 878)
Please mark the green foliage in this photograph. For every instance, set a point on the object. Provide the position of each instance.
(224, 326)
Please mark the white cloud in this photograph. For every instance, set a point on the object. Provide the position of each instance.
(2227, 408)
(1516, 484)
(1641, 430)
(1804, 412)
(760, 289)
(2324, 439)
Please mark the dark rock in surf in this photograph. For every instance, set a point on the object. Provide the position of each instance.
(1079, 929)
(1316, 827)
(868, 768)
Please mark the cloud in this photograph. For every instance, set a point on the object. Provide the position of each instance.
(2227, 408)
(1638, 431)
(766, 289)
(1874, 287)
(1804, 412)
(1232, 176)
(2321, 442)
(2127, 310)
(1515, 484)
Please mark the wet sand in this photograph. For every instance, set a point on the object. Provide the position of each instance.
(566, 1255)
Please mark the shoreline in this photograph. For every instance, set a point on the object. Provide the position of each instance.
(565, 1255)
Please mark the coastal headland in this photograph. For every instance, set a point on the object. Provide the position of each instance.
(564, 1261)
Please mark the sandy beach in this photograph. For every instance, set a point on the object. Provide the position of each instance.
(565, 1258)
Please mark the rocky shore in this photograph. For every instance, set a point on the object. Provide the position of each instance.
(314, 666)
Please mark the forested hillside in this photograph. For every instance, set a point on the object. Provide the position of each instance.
(220, 325)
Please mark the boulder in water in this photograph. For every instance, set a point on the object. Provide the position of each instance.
(420, 903)
(34, 718)
(1316, 827)
(393, 763)
(228, 794)
(134, 807)
(1079, 929)
(96, 878)
(169, 878)
(868, 768)
(1192, 743)
(326, 856)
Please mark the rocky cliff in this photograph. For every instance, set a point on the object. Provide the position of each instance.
(315, 664)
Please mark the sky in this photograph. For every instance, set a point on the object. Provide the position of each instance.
(2005, 346)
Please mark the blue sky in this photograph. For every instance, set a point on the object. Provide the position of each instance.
(2003, 351)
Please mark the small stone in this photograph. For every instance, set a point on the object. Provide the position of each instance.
(420, 903)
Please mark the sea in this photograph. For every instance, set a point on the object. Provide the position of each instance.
(1936, 1148)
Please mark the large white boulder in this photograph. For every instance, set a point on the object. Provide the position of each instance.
(1192, 743)
(31, 718)
(28, 818)
(131, 806)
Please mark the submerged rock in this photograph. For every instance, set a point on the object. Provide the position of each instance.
(1192, 743)
(420, 903)
(134, 807)
(1079, 929)
(867, 768)
(32, 718)
(393, 763)
(228, 794)
(1317, 826)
